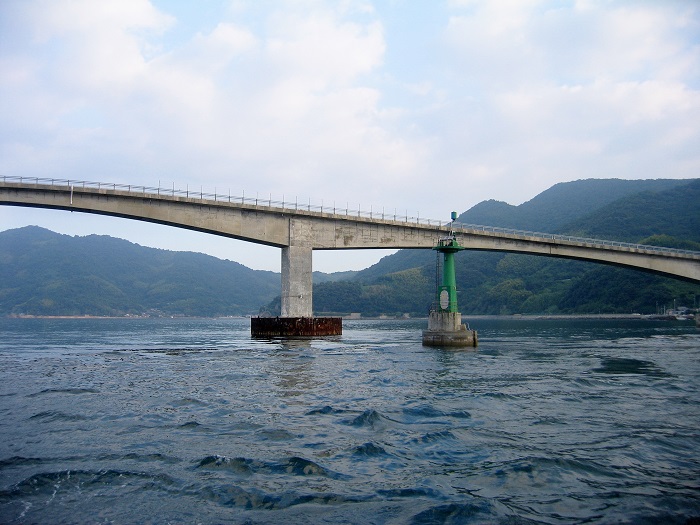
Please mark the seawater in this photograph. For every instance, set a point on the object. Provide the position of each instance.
(192, 421)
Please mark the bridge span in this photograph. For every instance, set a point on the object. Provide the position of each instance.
(298, 229)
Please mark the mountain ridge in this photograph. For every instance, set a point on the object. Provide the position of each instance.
(46, 273)
(573, 200)
(125, 278)
(499, 283)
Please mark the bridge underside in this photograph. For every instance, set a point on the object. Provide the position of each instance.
(298, 233)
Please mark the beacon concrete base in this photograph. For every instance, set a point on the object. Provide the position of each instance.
(446, 329)
(295, 326)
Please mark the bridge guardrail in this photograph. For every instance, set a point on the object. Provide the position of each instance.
(217, 197)
(371, 214)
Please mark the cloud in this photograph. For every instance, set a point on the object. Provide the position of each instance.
(97, 48)
(576, 92)
(287, 104)
(428, 109)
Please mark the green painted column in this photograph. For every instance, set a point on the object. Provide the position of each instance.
(449, 282)
(447, 294)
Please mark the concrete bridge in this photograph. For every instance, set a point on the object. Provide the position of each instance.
(298, 229)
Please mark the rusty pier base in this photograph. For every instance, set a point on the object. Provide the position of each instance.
(295, 326)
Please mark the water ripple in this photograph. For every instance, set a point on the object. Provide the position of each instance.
(187, 421)
(294, 466)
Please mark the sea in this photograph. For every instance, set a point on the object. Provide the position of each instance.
(158, 421)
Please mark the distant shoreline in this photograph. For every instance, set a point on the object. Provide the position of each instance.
(514, 317)
(564, 317)
(30, 316)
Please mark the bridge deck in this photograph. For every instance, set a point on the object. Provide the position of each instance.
(311, 211)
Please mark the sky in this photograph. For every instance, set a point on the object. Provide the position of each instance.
(418, 106)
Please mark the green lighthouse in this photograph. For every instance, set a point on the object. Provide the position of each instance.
(445, 326)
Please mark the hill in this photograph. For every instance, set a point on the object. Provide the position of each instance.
(563, 203)
(45, 273)
(660, 212)
(555, 210)
(675, 211)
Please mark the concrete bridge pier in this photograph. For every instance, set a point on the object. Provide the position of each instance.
(297, 281)
(296, 315)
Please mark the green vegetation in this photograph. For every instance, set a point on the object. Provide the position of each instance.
(389, 293)
(44, 273)
(658, 212)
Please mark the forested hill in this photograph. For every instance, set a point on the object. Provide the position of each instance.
(563, 203)
(662, 212)
(568, 207)
(46, 273)
(674, 212)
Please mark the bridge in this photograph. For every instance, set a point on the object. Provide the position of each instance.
(300, 228)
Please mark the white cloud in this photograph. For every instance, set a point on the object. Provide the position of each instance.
(575, 92)
(305, 98)
(100, 45)
(324, 51)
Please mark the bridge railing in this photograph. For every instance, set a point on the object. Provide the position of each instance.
(459, 227)
(267, 202)
(193, 193)
(347, 212)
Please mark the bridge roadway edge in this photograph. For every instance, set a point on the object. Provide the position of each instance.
(300, 232)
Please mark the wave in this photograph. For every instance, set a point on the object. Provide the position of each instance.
(190, 424)
(538, 468)
(622, 366)
(294, 466)
(370, 419)
(275, 434)
(324, 410)
(74, 391)
(433, 437)
(49, 483)
(55, 415)
(21, 461)
(479, 512)
(17, 461)
(369, 450)
(141, 458)
(188, 401)
(252, 499)
(168, 350)
(415, 414)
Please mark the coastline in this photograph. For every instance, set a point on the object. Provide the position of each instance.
(513, 317)
(564, 317)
